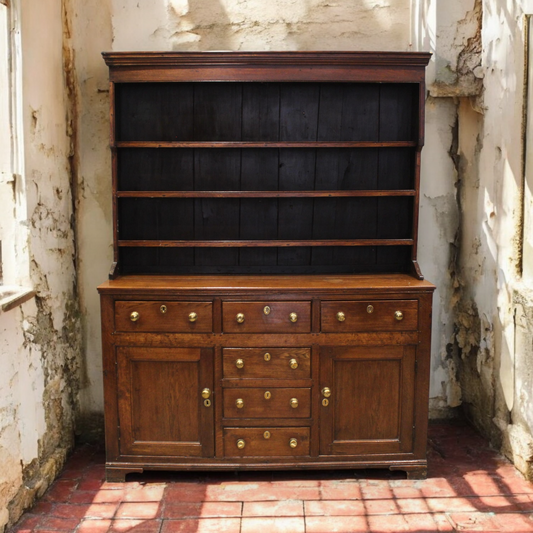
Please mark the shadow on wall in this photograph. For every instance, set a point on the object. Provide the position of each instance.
(300, 25)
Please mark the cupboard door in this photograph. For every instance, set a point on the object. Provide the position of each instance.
(161, 408)
(370, 407)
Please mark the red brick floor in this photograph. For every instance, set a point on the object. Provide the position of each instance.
(469, 488)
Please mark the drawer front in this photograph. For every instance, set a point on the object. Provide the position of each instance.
(266, 442)
(266, 317)
(267, 403)
(278, 363)
(377, 315)
(161, 316)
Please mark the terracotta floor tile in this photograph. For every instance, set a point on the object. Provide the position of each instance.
(60, 491)
(101, 510)
(451, 505)
(144, 510)
(29, 522)
(473, 522)
(335, 508)
(515, 522)
(94, 526)
(340, 490)
(387, 524)
(279, 525)
(135, 526)
(275, 508)
(61, 524)
(180, 510)
(412, 505)
(425, 522)
(203, 525)
(150, 493)
(67, 510)
(336, 524)
(376, 491)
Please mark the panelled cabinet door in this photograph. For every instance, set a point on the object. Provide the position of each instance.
(162, 410)
(367, 399)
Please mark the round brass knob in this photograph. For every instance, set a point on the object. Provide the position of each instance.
(193, 317)
(268, 395)
(206, 393)
(135, 316)
(341, 317)
(163, 309)
(241, 444)
(240, 318)
(293, 364)
(293, 317)
(267, 357)
(398, 315)
(239, 403)
(266, 310)
(266, 434)
(293, 443)
(239, 363)
(370, 309)
(294, 403)
(326, 392)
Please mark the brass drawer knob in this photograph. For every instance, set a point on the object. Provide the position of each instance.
(240, 318)
(206, 393)
(398, 315)
(266, 434)
(135, 316)
(370, 309)
(241, 444)
(326, 392)
(294, 403)
(293, 443)
(268, 395)
(163, 309)
(266, 310)
(239, 363)
(293, 317)
(341, 317)
(239, 403)
(293, 364)
(267, 357)
(193, 317)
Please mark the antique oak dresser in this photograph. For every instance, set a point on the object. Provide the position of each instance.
(265, 308)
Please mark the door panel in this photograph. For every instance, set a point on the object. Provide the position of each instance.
(161, 409)
(370, 409)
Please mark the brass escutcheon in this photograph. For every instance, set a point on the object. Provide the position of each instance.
(163, 309)
(266, 310)
(266, 434)
(135, 316)
(268, 395)
(267, 357)
(325, 402)
(370, 309)
(193, 317)
(207, 403)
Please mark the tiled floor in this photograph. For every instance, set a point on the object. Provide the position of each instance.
(469, 488)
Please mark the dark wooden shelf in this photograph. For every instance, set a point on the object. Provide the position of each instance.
(262, 243)
(265, 144)
(263, 194)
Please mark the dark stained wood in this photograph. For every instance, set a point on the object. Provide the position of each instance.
(251, 179)
(255, 320)
(255, 444)
(277, 366)
(255, 405)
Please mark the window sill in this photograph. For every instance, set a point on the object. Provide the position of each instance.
(13, 296)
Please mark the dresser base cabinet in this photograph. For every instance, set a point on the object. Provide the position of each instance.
(266, 372)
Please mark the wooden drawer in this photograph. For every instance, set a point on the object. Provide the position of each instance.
(267, 403)
(375, 315)
(266, 317)
(276, 363)
(266, 442)
(160, 316)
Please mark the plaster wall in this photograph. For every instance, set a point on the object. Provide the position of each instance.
(40, 345)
